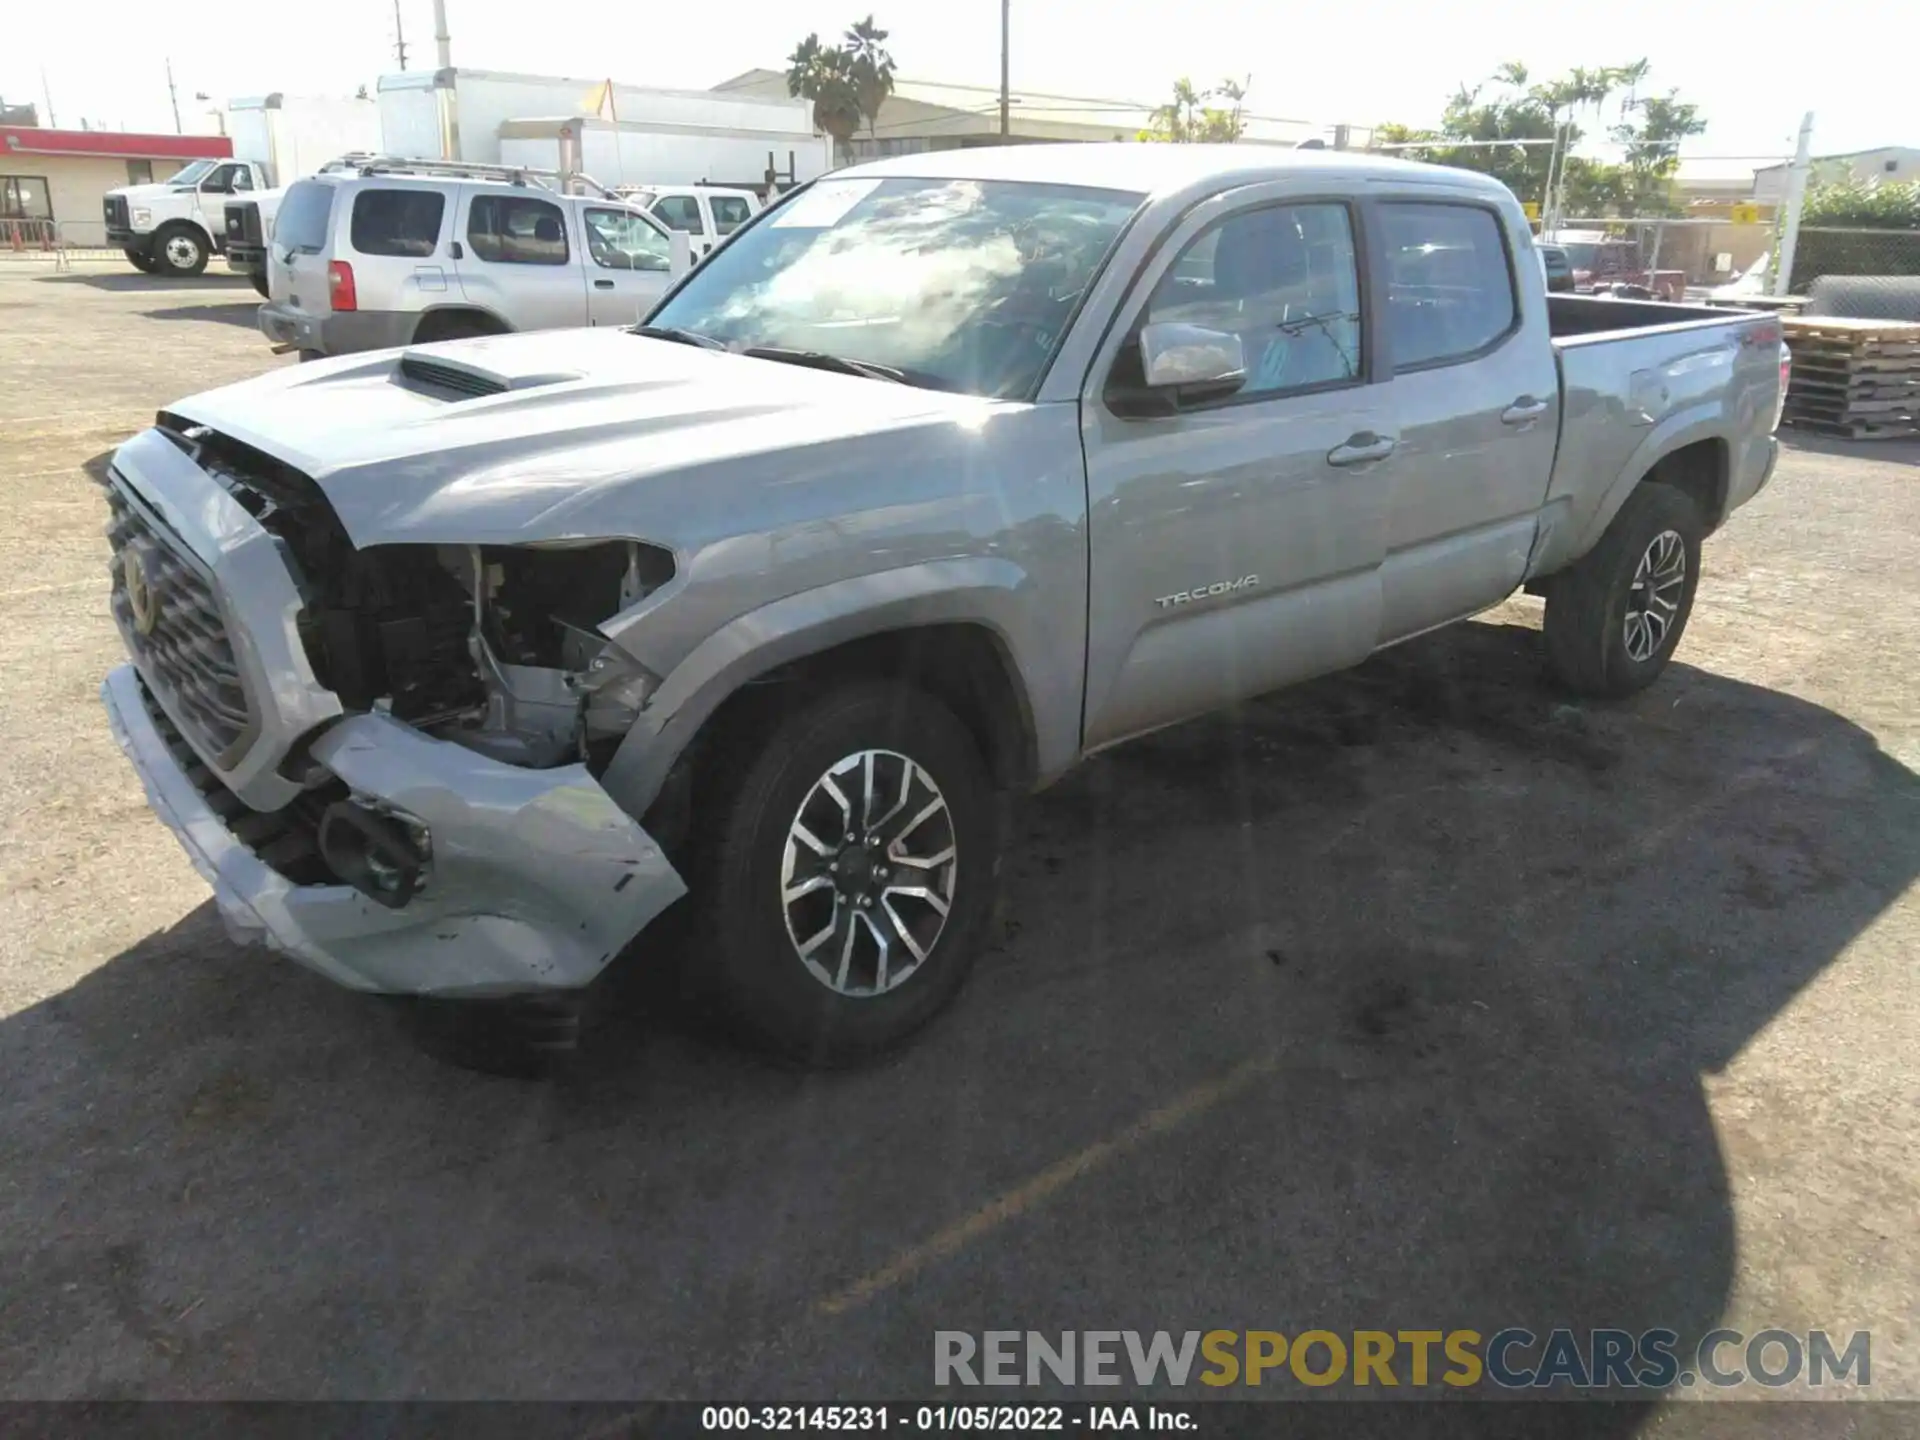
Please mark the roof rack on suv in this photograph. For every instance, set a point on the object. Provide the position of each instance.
(553, 180)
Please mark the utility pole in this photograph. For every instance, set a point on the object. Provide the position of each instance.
(442, 42)
(1005, 31)
(1790, 207)
(46, 93)
(399, 36)
(174, 95)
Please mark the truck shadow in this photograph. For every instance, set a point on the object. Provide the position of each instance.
(1468, 950)
(133, 280)
(242, 313)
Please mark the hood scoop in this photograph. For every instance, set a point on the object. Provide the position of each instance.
(438, 377)
(449, 379)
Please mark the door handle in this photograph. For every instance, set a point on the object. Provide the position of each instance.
(1522, 410)
(1361, 448)
(603, 284)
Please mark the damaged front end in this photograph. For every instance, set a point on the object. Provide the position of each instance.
(446, 835)
(495, 648)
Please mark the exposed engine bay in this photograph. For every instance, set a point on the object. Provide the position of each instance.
(491, 647)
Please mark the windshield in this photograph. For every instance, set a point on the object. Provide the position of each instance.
(191, 174)
(961, 284)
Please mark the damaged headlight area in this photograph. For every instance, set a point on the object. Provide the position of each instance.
(496, 648)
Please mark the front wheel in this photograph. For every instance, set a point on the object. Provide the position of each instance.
(140, 260)
(844, 878)
(180, 250)
(1614, 617)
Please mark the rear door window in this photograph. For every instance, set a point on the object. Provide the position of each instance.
(730, 212)
(398, 222)
(301, 223)
(1450, 291)
(517, 230)
(680, 212)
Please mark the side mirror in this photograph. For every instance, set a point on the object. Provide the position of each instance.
(1197, 362)
(679, 253)
(1169, 365)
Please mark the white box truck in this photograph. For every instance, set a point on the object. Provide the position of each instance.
(174, 226)
(629, 135)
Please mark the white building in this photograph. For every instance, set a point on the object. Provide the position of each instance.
(1888, 164)
(925, 115)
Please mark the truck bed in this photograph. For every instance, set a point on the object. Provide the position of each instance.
(1588, 317)
(1636, 374)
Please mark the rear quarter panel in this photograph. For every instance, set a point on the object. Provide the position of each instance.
(1630, 398)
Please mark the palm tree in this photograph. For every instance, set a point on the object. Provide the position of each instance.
(826, 77)
(872, 68)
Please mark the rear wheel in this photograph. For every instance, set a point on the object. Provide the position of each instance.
(140, 260)
(179, 249)
(1614, 618)
(455, 325)
(843, 878)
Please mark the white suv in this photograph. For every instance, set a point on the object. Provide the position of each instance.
(397, 252)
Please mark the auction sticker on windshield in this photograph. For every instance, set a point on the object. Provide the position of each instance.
(823, 207)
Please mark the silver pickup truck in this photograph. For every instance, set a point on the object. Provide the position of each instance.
(453, 667)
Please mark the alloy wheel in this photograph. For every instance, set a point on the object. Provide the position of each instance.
(868, 873)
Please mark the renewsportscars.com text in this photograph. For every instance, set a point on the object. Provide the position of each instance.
(1512, 1358)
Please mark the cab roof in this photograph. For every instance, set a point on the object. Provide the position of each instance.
(1162, 169)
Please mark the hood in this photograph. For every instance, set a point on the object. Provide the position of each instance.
(572, 434)
(139, 194)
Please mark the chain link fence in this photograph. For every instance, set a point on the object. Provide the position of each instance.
(1674, 257)
(1825, 250)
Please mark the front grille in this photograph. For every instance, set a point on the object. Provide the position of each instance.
(286, 840)
(116, 206)
(171, 621)
(243, 223)
(435, 376)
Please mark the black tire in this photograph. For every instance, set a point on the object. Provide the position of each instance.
(180, 235)
(259, 283)
(455, 325)
(1588, 604)
(739, 958)
(140, 260)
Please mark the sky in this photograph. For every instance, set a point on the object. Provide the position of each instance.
(1754, 69)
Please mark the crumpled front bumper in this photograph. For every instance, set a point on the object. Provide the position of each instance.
(538, 878)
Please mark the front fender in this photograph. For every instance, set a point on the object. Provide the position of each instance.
(991, 592)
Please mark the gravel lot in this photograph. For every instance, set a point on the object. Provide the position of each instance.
(1414, 998)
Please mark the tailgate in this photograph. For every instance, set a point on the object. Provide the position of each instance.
(302, 244)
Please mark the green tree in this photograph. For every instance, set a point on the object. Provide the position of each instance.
(847, 83)
(871, 66)
(1511, 106)
(1195, 116)
(824, 75)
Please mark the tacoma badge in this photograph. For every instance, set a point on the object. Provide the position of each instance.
(1206, 592)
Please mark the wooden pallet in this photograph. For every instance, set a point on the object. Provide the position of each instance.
(1841, 409)
(1848, 332)
(1856, 430)
(1859, 387)
(1889, 365)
